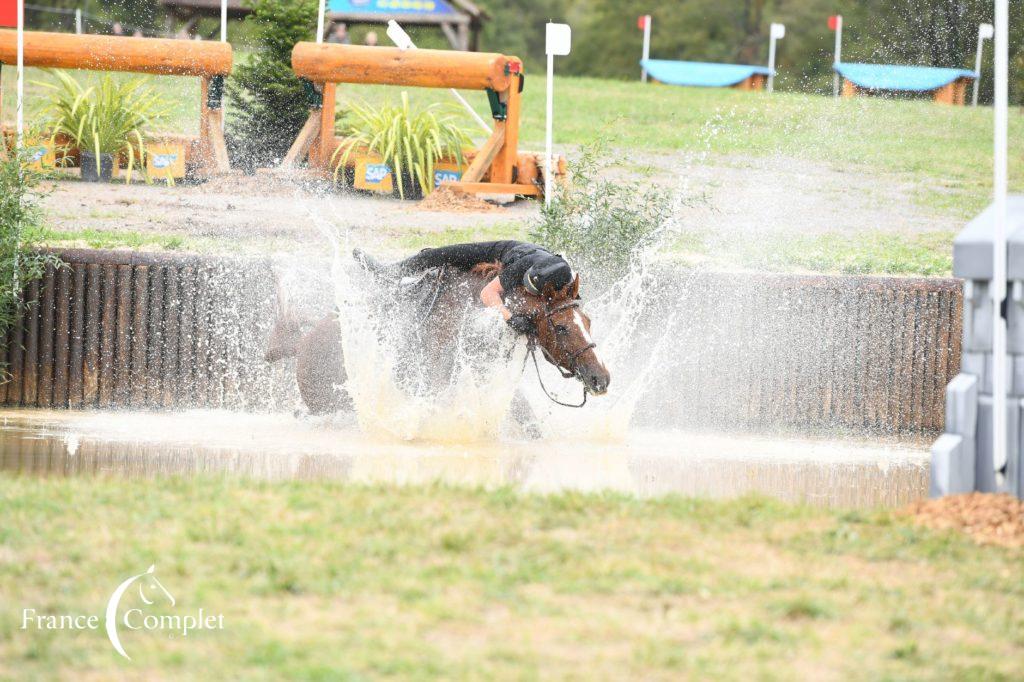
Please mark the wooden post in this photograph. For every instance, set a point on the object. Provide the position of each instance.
(321, 154)
(91, 342)
(46, 313)
(108, 338)
(62, 337)
(849, 89)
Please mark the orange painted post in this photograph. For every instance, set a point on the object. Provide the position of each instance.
(849, 89)
(325, 147)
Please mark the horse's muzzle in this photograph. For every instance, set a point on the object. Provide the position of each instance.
(595, 378)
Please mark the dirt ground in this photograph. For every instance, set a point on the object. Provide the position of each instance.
(270, 212)
(988, 519)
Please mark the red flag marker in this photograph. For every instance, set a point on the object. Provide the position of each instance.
(641, 21)
(833, 22)
(9, 13)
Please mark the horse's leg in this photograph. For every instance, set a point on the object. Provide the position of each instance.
(320, 369)
(522, 412)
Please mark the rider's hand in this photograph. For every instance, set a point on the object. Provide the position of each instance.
(520, 324)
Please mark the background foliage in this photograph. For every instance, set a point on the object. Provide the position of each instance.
(20, 233)
(269, 104)
(606, 42)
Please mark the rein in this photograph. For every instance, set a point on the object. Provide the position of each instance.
(566, 372)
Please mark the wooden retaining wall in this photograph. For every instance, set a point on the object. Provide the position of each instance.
(867, 354)
(143, 331)
(121, 329)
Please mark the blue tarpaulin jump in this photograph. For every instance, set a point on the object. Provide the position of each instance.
(410, 7)
(700, 74)
(896, 77)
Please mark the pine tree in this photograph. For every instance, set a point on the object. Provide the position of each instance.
(268, 101)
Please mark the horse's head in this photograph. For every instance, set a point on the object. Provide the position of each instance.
(562, 331)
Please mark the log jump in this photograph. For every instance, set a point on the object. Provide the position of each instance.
(208, 61)
(495, 169)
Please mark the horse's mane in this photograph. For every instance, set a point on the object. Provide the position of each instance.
(487, 270)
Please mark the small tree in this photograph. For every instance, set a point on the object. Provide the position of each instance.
(20, 233)
(268, 101)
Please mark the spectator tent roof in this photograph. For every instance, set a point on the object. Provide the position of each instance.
(703, 74)
(895, 77)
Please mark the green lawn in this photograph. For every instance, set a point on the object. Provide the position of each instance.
(330, 581)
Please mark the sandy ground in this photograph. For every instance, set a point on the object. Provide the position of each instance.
(268, 212)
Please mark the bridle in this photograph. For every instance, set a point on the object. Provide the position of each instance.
(569, 370)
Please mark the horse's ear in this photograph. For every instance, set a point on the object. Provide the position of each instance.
(574, 289)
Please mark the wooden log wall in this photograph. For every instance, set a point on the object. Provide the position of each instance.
(128, 330)
(758, 352)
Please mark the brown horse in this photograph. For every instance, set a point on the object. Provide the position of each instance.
(444, 297)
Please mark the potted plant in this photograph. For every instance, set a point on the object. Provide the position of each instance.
(409, 141)
(104, 121)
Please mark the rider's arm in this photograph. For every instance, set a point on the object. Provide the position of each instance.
(491, 297)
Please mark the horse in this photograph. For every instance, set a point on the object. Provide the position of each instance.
(440, 301)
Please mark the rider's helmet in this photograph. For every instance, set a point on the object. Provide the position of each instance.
(554, 271)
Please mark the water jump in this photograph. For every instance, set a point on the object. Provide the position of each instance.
(535, 292)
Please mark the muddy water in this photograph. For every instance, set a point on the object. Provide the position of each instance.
(828, 473)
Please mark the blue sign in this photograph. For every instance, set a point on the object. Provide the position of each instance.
(376, 172)
(410, 7)
(162, 161)
(441, 176)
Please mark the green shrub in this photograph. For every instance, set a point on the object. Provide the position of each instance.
(106, 117)
(600, 223)
(410, 141)
(268, 101)
(20, 233)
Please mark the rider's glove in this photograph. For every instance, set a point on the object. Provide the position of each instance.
(520, 324)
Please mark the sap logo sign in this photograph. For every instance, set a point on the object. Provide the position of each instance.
(376, 172)
(442, 176)
(164, 160)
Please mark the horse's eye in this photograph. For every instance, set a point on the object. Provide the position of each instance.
(561, 329)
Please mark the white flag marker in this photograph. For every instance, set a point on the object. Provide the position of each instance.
(835, 23)
(557, 42)
(776, 32)
(644, 23)
(985, 32)
(320, 21)
(19, 129)
(999, 435)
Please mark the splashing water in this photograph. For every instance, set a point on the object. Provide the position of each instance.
(490, 365)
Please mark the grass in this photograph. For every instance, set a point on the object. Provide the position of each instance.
(113, 239)
(865, 253)
(181, 92)
(319, 580)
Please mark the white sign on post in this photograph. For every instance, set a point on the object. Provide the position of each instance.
(985, 32)
(776, 32)
(557, 42)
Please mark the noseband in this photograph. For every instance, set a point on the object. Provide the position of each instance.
(567, 371)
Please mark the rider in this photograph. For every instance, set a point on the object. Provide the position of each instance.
(523, 264)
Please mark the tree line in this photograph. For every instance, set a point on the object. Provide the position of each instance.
(607, 42)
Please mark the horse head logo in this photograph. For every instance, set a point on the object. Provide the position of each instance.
(149, 588)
